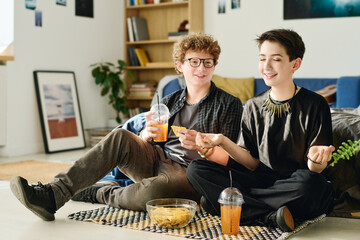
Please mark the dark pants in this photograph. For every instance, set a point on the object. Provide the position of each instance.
(307, 194)
(154, 175)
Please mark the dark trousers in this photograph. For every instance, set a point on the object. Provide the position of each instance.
(307, 194)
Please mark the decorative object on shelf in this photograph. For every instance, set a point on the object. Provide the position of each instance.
(184, 26)
(111, 79)
(345, 150)
(59, 111)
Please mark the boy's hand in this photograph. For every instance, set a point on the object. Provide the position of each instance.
(150, 131)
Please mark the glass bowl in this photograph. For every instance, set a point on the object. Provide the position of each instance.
(171, 212)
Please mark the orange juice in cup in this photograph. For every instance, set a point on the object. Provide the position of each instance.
(230, 219)
(231, 201)
(161, 115)
(163, 133)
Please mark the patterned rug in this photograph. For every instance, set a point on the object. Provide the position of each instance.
(203, 226)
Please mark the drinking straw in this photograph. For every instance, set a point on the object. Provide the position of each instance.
(158, 104)
(230, 178)
(230, 199)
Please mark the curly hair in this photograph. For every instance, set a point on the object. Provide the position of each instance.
(289, 39)
(198, 42)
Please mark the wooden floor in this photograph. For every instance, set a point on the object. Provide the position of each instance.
(18, 223)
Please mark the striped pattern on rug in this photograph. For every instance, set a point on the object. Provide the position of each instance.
(203, 226)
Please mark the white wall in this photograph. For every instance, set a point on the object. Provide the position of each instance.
(2, 105)
(332, 44)
(64, 42)
(67, 42)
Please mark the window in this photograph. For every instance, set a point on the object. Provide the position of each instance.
(6, 23)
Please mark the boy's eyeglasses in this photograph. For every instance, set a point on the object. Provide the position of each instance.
(195, 62)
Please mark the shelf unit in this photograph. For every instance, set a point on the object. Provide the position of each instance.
(161, 19)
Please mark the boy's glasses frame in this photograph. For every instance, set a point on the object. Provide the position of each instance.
(207, 62)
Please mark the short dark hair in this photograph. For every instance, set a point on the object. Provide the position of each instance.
(289, 39)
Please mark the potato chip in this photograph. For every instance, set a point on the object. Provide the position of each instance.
(176, 127)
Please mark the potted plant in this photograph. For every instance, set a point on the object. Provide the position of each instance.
(111, 79)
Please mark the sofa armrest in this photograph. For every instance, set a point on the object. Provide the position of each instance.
(348, 92)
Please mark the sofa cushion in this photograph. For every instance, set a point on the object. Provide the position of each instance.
(345, 175)
(242, 88)
(348, 92)
(313, 84)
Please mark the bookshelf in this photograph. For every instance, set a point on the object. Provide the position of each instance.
(161, 19)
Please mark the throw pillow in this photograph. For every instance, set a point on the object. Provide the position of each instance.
(242, 88)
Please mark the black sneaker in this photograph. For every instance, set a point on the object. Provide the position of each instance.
(37, 198)
(88, 194)
(282, 219)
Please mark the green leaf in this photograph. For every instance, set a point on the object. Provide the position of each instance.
(115, 91)
(95, 71)
(105, 68)
(100, 77)
(104, 91)
(122, 64)
(131, 75)
(108, 81)
(94, 64)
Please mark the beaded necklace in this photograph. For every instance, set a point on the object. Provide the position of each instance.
(276, 107)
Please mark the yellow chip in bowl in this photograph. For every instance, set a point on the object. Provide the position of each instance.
(176, 127)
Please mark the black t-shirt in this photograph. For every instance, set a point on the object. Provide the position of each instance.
(282, 144)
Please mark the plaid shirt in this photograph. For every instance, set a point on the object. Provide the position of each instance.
(218, 112)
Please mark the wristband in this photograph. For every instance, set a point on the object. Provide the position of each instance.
(203, 154)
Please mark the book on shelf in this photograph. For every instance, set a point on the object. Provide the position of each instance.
(140, 29)
(137, 110)
(142, 56)
(138, 2)
(142, 89)
(134, 61)
(144, 84)
(176, 35)
(130, 30)
(135, 94)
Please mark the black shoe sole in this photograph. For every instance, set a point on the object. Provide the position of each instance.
(18, 190)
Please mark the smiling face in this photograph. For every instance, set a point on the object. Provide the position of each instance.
(196, 76)
(274, 64)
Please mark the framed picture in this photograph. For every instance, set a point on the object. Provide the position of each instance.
(84, 8)
(59, 111)
(301, 9)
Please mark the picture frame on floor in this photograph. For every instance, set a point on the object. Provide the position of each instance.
(59, 111)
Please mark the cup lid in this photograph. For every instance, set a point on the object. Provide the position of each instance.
(231, 195)
(160, 110)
